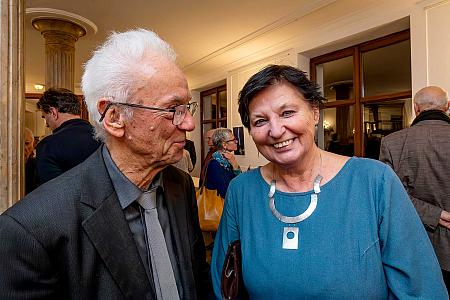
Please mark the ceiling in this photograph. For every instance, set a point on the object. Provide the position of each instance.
(200, 31)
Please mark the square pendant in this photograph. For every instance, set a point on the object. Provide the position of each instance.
(290, 238)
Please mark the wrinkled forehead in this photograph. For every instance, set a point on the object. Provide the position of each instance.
(163, 84)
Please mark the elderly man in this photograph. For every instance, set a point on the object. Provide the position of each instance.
(420, 155)
(123, 224)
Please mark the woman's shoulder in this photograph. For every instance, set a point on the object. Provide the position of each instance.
(368, 165)
(247, 179)
(342, 167)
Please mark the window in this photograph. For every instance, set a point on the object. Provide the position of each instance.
(368, 88)
(213, 112)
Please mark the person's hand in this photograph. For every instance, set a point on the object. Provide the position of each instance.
(445, 219)
(231, 158)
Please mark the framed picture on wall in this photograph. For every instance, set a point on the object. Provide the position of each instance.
(239, 135)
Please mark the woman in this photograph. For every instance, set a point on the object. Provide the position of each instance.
(223, 166)
(314, 224)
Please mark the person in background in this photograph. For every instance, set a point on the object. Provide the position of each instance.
(420, 155)
(222, 167)
(185, 162)
(208, 156)
(72, 140)
(30, 161)
(123, 224)
(314, 224)
(190, 147)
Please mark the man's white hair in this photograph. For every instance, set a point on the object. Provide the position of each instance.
(116, 68)
(431, 97)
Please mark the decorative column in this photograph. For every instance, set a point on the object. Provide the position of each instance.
(60, 37)
(12, 99)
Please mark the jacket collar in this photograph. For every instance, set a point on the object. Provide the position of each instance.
(431, 114)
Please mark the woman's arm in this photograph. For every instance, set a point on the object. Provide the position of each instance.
(228, 232)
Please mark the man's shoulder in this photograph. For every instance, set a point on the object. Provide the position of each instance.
(75, 126)
(48, 203)
(396, 136)
(174, 175)
(59, 196)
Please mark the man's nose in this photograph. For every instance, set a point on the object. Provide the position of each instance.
(188, 123)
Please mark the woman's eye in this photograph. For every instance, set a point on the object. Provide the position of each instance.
(259, 122)
(288, 113)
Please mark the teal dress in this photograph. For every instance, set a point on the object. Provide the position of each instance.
(363, 241)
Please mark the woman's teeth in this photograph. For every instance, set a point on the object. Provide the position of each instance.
(283, 144)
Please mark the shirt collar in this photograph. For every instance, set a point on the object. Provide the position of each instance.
(126, 191)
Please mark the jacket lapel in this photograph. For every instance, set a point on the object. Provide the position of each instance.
(109, 232)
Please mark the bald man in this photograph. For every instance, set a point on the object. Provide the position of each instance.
(420, 155)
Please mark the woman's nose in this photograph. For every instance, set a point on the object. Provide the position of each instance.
(277, 128)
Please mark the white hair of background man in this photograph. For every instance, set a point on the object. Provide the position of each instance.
(431, 97)
(120, 67)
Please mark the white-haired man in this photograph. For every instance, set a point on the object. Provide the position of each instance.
(420, 155)
(123, 224)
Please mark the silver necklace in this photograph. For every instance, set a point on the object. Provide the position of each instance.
(290, 233)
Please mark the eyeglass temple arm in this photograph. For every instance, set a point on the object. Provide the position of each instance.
(102, 116)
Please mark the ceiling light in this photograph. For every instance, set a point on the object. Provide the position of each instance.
(38, 86)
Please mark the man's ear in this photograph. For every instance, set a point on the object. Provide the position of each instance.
(113, 121)
(54, 112)
(416, 109)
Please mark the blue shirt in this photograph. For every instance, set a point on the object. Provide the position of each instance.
(219, 173)
(363, 241)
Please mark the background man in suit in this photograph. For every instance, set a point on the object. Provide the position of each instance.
(190, 147)
(208, 156)
(72, 140)
(420, 155)
(123, 224)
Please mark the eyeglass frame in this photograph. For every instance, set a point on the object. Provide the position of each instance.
(172, 110)
(235, 140)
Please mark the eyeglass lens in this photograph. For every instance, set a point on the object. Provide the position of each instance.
(180, 112)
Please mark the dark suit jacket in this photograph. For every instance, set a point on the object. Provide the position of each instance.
(420, 155)
(69, 239)
(69, 145)
(190, 147)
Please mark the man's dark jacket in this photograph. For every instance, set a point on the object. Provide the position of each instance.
(420, 155)
(69, 239)
(69, 145)
(190, 147)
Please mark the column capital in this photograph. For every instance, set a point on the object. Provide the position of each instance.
(58, 31)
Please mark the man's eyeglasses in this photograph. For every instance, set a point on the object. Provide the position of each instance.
(179, 111)
(233, 140)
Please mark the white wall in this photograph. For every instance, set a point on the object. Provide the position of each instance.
(430, 44)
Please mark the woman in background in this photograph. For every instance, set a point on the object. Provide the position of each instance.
(314, 224)
(223, 166)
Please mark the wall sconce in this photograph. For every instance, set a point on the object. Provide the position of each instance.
(326, 125)
(39, 86)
